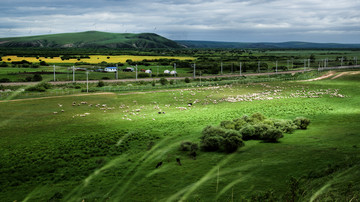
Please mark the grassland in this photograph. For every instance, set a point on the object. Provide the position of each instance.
(111, 152)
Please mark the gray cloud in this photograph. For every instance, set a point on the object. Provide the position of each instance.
(230, 20)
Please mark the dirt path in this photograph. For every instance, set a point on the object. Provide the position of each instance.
(73, 95)
(339, 75)
(330, 74)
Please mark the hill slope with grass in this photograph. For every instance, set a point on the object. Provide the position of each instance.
(91, 39)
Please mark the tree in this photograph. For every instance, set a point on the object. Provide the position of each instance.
(37, 77)
(163, 81)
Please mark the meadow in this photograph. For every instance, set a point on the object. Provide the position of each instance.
(105, 147)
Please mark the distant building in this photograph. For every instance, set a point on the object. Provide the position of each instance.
(110, 69)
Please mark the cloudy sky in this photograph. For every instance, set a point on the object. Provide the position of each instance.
(226, 20)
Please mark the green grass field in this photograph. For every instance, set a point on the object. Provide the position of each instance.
(109, 152)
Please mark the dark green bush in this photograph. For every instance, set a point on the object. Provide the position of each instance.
(171, 82)
(232, 141)
(260, 130)
(212, 138)
(239, 123)
(163, 81)
(257, 117)
(248, 132)
(227, 125)
(187, 80)
(100, 84)
(4, 80)
(301, 122)
(143, 75)
(285, 126)
(37, 77)
(42, 87)
(272, 135)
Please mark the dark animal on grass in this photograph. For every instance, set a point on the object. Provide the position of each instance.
(178, 161)
(159, 164)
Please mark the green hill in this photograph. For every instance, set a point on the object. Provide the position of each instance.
(91, 39)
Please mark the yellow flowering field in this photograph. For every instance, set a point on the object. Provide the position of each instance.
(94, 59)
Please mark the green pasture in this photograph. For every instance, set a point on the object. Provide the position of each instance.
(109, 152)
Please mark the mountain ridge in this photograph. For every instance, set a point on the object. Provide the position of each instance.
(91, 39)
(264, 45)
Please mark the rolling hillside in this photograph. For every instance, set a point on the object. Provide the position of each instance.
(91, 39)
(283, 45)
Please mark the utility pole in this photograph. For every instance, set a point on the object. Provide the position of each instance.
(87, 81)
(309, 63)
(194, 70)
(304, 64)
(259, 66)
(276, 66)
(54, 73)
(240, 68)
(136, 72)
(73, 73)
(117, 72)
(342, 58)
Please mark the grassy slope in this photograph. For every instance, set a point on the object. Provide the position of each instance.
(94, 39)
(56, 153)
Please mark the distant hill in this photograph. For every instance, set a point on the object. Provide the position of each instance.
(284, 45)
(91, 39)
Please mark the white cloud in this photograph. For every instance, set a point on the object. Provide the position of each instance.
(189, 19)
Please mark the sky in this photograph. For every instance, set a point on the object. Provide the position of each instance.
(323, 21)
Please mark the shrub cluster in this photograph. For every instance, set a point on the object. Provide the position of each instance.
(230, 134)
(42, 87)
(216, 138)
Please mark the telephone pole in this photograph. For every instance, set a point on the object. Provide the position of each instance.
(87, 81)
(73, 73)
(194, 70)
(276, 66)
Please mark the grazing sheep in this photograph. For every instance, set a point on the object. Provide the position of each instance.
(60, 105)
(62, 110)
(55, 112)
(158, 164)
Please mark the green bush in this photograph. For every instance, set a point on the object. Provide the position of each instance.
(100, 84)
(257, 117)
(171, 82)
(232, 141)
(185, 146)
(37, 77)
(227, 125)
(212, 138)
(4, 64)
(248, 132)
(272, 135)
(4, 80)
(187, 80)
(301, 122)
(143, 75)
(285, 126)
(239, 123)
(163, 81)
(260, 130)
(42, 87)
